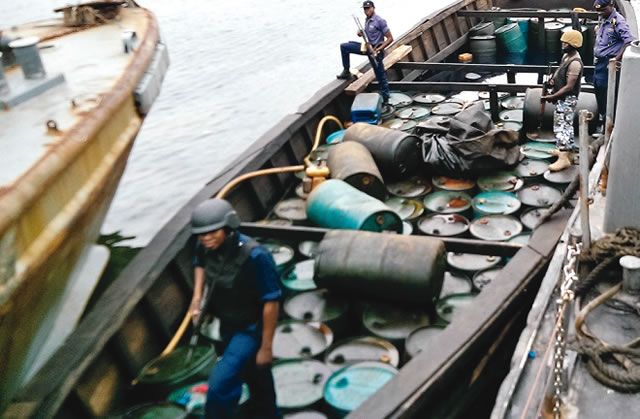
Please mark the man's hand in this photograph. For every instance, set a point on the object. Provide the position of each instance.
(546, 98)
(264, 356)
(359, 33)
(194, 309)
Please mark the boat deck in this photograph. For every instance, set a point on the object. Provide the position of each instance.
(91, 61)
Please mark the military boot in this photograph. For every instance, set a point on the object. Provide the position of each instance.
(564, 160)
(345, 75)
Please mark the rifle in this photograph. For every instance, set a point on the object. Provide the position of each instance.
(368, 45)
(545, 87)
(193, 341)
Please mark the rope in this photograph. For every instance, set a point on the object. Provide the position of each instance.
(621, 371)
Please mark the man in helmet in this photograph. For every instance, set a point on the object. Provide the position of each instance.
(612, 38)
(565, 85)
(245, 297)
(380, 37)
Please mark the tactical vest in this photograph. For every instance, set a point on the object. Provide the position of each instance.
(235, 298)
(560, 76)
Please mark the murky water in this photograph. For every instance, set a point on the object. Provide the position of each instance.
(237, 67)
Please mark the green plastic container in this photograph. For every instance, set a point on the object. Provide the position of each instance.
(511, 39)
(337, 205)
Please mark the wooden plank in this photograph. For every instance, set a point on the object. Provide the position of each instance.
(489, 14)
(360, 85)
(450, 49)
(498, 68)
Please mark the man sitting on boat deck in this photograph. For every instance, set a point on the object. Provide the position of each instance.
(244, 295)
(565, 85)
(612, 38)
(380, 37)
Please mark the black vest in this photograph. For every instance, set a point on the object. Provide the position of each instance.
(560, 76)
(235, 298)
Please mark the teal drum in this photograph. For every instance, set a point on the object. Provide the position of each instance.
(539, 195)
(159, 410)
(500, 182)
(299, 340)
(455, 283)
(445, 183)
(359, 349)
(299, 277)
(335, 137)
(182, 366)
(471, 262)
(308, 248)
(299, 383)
(421, 339)
(483, 278)
(538, 150)
(553, 31)
(282, 254)
(444, 225)
(529, 169)
(495, 227)
(446, 202)
(399, 100)
(393, 323)
(523, 24)
(483, 48)
(495, 202)
(511, 39)
(293, 209)
(337, 205)
(454, 306)
(407, 209)
(193, 397)
(349, 387)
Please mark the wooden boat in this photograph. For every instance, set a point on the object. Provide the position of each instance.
(67, 129)
(137, 315)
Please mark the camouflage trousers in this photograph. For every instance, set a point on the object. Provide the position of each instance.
(563, 122)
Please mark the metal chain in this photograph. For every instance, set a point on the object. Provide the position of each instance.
(560, 343)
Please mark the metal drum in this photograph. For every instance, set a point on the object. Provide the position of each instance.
(446, 202)
(532, 111)
(406, 125)
(160, 410)
(352, 163)
(349, 387)
(193, 398)
(282, 254)
(483, 278)
(523, 24)
(308, 249)
(388, 112)
(317, 306)
(428, 98)
(471, 262)
(335, 137)
(483, 48)
(511, 39)
(407, 209)
(297, 340)
(405, 269)
(537, 150)
(562, 177)
(359, 349)
(305, 414)
(444, 225)
(420, 339)
(415, 113)
(299, 277)
(531, 217)
(447, 108)
(407, 228)
(522, 238)
(495, 227)
(552, 33)
(512, 125)
(482, 28)
(299, 383)
(455, 283)
(453, 306)
(399, 100)
(500, 181)
(413, 187)
(495, 202)
(513, 102)
(511, 115)
(529, 169)
(336, 204)
(539, 195)
(485, 95)
(292, 209)
(397, 154)
(392, 322)
(445, 183)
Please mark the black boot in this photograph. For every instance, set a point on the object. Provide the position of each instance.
(345, 75)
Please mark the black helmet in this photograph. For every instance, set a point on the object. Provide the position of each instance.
(213, 214)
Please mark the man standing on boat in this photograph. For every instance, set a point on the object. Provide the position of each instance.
(245, 296)
(565, 85)
(379, 36)
(612, 38)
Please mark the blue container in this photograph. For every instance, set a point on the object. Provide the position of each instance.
(349, 387)
(511, 39)
(336, 204)
(495, 202)
(335, 137)
(367, 108)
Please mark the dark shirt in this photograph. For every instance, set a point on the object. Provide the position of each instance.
(611, 35)
(375, 27)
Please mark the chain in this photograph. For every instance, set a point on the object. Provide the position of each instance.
(560, 343)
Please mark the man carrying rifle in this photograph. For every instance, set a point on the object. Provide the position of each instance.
(244, 294)
(377, 37)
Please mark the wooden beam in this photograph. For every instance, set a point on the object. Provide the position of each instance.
(523, 13)
(438, 86)
(396, 55)
(497, 68)
(447, 51)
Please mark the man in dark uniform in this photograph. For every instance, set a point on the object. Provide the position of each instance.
(380, 37)
(565, 85)
(612, 37)
(245, 297)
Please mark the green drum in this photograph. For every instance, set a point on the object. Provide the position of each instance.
(483, 48)
(511, 39)
(337, 205)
